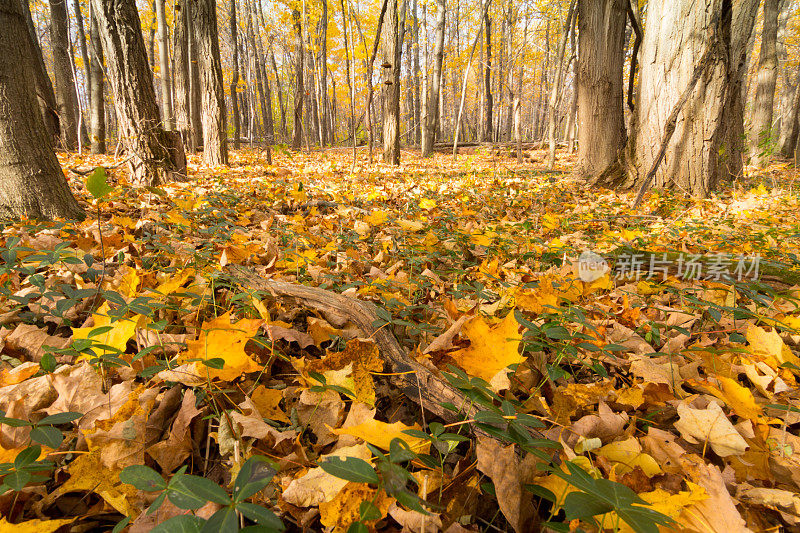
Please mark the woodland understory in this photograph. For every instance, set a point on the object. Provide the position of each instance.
(308, 347)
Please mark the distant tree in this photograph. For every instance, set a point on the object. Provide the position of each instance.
(392, 56)
(97, 97)
(155, 155)
(164, 67)
(32, 184)
(299, 90)
(432, 108)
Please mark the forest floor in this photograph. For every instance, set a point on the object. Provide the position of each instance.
(653, 383)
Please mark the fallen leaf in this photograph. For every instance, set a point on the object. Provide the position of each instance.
(710, 426)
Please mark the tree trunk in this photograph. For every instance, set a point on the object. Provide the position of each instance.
(183, 105)
(280, 89)
(163, 57)
(673, 56)
(761, 137)
(255, 48)
(215, 129)
(323, 74)
(392, 51)
(299, 90)
(76, 8)
(743, 20)
(416, 78)
(32, 184)
(601, 126)
(97, 97)
(195, 85)
(235, 77)
(786, 125)
(155, 155)
(46, 97)
(557, 89)
(432, 107)
(62, 69)
(487, 82)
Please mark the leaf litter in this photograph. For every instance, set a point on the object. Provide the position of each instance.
(666, 402)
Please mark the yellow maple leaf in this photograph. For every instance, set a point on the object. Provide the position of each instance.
(267, 402)
(381, 434)
(491, 349)
(427, 204)
(410, 225)
(359, 358)
(221, 339)
(88, 474)
(116, 337)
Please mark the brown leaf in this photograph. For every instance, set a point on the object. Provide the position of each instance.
(509, 476)
(171, 453)
(27, 342)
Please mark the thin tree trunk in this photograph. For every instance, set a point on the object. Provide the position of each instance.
(255, 48)
(786, 127)
(97, 89)
(761, 139)
(487, 82)
(299, 90)
(517, 102)
(76, 8)
(235, 77)
(484, 10)
(370, 65)
(152, 37)
(432, 118)
(416, 78)
(322, 93)
(163, 56)
(32, 184)
(155, 155)
(195, 86)
(347, 31)
(215, 130)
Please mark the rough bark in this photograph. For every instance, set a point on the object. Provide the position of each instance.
(299, 90)
(214, 117)
(183, 106)
(786, 96)
(97, 97)
(195, 85)
(681, 38)
(66, 98)
(432, 107)
(392, 51)
(76, 9)
(761, 137)
(155, 155)
(32, 184)
(601, 126)
(235, 77)
(255, 49)
(163, 61)
(743, 20)
(46, 97)
(416, 130)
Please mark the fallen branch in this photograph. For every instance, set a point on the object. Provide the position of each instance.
(415, 381)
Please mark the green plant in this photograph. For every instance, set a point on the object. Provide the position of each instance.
(190, 492)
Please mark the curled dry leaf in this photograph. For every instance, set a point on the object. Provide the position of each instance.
(710, 426)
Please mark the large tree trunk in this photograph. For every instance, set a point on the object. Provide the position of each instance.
(235, 78)
(432, 107)
(155, 155)
(299, 90)
(32, 184)
(183, 105)
(601, 125)
(392, 51)
(163, 59)
(761, 136)
(684, 43)
(215, 130)
(97, 97)
(416, 131)
(743, 20)
(195, 85)
(46, 97)
(62, 72)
